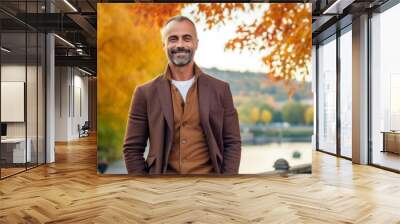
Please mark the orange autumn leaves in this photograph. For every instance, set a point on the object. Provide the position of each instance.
(284, 32)
(129, 54)
(284, 29)
(154, 14)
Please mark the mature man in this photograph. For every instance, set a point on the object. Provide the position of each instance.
(187, 115)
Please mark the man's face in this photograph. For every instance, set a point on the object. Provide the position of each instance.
(180, 42)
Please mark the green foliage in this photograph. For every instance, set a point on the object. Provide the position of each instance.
(257, 84)
(296, 155)
(252, 111)
(285, 132)
(277, 116)
(293, 113)
(296, 133)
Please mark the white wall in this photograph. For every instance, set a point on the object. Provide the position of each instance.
(11, 73)
(16, 73)
(61, 103)
(71, 94)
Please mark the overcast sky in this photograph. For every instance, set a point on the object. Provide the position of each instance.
(211, 53)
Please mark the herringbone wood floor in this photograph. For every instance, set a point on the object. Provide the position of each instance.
(70, 191)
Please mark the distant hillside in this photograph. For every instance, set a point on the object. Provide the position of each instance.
(249, 84)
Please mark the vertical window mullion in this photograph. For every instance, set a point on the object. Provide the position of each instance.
(317, 96)
(338, 78)
(26, 86)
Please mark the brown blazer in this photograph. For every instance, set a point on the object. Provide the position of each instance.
(151, 117)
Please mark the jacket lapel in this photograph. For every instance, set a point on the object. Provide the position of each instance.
(204, 101)
(164, 94)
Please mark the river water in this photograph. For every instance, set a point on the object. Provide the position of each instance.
(255, 159)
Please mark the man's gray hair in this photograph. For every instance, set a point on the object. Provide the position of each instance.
(178, 18)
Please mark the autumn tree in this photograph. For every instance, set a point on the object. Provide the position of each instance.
(284, 31)
(309, 115)
(254, 115)
(266, 116)
(293, 113)
(129, 54)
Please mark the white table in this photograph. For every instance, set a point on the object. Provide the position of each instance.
(18, 149)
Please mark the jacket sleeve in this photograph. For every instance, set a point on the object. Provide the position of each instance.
(136, 135)
(231, 135)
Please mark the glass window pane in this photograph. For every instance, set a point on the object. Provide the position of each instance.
(14, 153)
(22, 89)
(385, 89)
(346, 94)
(327, 96)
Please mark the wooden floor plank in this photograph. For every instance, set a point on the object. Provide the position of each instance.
(70, 191)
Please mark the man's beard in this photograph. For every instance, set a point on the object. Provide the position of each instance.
(180, 56)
